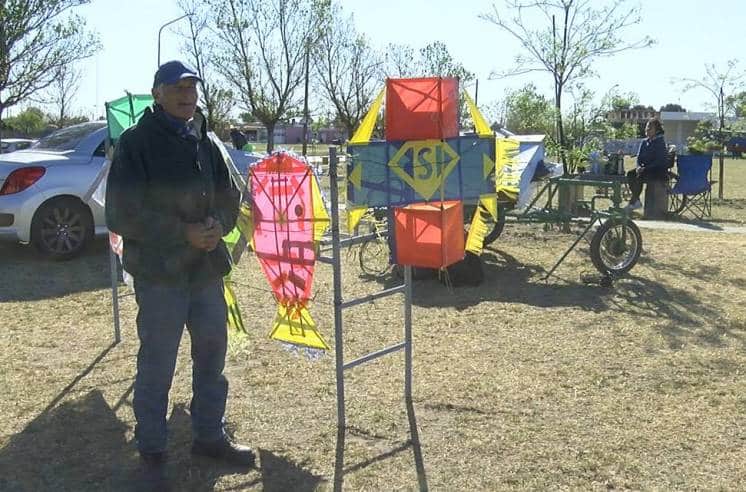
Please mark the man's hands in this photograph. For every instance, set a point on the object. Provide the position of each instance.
(640, 170)
(204, 235)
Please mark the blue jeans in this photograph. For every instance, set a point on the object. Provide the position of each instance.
(162, 313)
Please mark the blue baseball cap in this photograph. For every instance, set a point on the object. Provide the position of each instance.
(172, 72)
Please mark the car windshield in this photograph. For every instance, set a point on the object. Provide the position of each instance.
(67, 138)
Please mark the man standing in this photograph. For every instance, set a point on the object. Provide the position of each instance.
(171, 197)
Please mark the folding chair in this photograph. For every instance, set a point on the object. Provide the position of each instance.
(691, 185)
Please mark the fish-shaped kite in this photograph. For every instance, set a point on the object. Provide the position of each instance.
(288, 218)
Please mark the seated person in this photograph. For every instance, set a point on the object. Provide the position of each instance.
(652, 162)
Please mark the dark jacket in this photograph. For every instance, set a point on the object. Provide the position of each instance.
(653, 158)
(160, 181)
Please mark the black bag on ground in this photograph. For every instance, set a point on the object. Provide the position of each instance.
(468, 272)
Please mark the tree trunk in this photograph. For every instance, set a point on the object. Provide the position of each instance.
(350, 129)
(1, 126)
(560, 126)
(270, 136)
(721, 174)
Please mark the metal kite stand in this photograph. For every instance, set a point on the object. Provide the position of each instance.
(341, 366)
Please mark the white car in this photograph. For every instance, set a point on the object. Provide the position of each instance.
(12, 144)
(45, 191)
(42, 190)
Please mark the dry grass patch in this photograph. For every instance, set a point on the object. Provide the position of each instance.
(518, 383)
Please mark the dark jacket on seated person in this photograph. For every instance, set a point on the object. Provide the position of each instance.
(653, 158)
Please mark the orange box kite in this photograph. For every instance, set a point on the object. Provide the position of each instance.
(429, 235)
(422, 109)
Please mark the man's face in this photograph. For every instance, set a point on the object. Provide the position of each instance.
(179, 99)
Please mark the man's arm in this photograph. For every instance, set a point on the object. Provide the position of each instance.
(127, 213)
(227, 193)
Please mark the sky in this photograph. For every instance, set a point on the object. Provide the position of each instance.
(689, 33)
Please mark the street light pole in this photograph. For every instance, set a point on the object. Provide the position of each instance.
(161, 30)
(305, 106)
(722, 142)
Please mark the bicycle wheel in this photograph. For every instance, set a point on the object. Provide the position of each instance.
(374, 257)
(498, 228)
(494, 228)
(616, 246)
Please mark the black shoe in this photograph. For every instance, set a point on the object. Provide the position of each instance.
(225, 450)
(153, 471)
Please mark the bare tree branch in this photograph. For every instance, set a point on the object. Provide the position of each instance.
(346, 68)
(262, 44)
(576, 33)
(37, 39)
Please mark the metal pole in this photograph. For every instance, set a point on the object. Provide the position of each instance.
(161, 30)
(114, 294)
(722, 143)
(408, 334)
(337, 281)
(305, 110)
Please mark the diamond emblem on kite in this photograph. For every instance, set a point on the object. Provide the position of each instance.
(424, 165)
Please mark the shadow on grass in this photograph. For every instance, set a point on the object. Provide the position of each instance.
(79, 445)
(187, 472)
(27, 276)
(688, 318)
(340, 470)
(82, 445)
(508, 280)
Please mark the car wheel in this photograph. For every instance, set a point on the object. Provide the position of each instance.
(61, 228)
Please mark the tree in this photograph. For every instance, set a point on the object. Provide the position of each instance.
(262, 46)
(399, 61)
(622, 102)
(74, 120)
(216, 100)
(37, 38)
(434, 60)
(527, 112)
(676, 108)
(720, 84)
(737, 104)
(704, 139)
(31, 122)
(61, 92)
(585, 34)
(347, 68)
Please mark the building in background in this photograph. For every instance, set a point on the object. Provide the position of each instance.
(638, 115)
(680, 125)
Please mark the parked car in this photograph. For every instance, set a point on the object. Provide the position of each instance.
(243, 159)
(12, 144)
(41, 191)
(45, 191)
